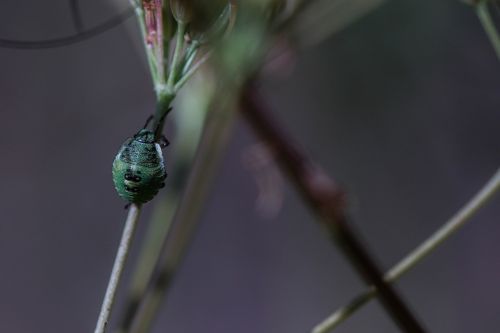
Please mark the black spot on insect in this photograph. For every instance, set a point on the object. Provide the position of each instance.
(131, 189)
(152, 156)
(132, 178)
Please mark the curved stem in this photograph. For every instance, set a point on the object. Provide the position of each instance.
(179, 45)
(483, 13)
(191, 71)
(68, 40)
(118, 266)
(191, 53)
(422, 251)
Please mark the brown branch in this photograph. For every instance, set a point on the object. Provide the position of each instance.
(326, 200)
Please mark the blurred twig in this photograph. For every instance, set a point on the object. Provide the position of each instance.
(118, 266)
(311, 21)
(68, 40)
(449, 228)
(483, 12)
(76, 15)
(326, 200)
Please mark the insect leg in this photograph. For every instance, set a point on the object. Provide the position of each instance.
(164, 142)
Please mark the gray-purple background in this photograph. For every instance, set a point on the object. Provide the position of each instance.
(403, 108)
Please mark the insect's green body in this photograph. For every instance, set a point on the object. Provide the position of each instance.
(138, 169)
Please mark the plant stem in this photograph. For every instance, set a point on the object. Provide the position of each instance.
(150, 54)
(417, 255)
(179, 45)
(327, 201)
(118, 266)
(483, 13)
(162, 109)
(212, 143)
(160, 226)
(191, 53)
(191, 71)
(189, 124)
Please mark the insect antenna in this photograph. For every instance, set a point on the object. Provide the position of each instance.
(159, 124)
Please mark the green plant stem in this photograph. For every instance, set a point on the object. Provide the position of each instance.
(163, 215)
(449, 228)
(322, 195)
(118, 266)
(191, 71)
(160, 226)
(191, 53)
(483, 13)
(163, 103)
(212, 144)
(179, 46)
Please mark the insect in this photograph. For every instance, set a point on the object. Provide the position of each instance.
(138, 169)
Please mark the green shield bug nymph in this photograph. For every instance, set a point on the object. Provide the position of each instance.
(138, 168)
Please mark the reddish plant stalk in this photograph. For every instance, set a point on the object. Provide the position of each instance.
(326, 200)
(153, 18)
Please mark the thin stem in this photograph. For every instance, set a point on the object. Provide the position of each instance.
(179, 45)
(449, 228)
(153, 69)
(160, 225)
(191, 53)
(483, 13)
(327, 201)
(160, 60)
(163, 103)
(212, 144)
(191, 71)
(118, 266)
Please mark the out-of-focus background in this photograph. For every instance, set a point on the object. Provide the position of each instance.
(402, 107)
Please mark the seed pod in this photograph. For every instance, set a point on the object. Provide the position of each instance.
(138, 168)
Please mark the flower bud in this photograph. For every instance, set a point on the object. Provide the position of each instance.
(182, 10)
(218, 27)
